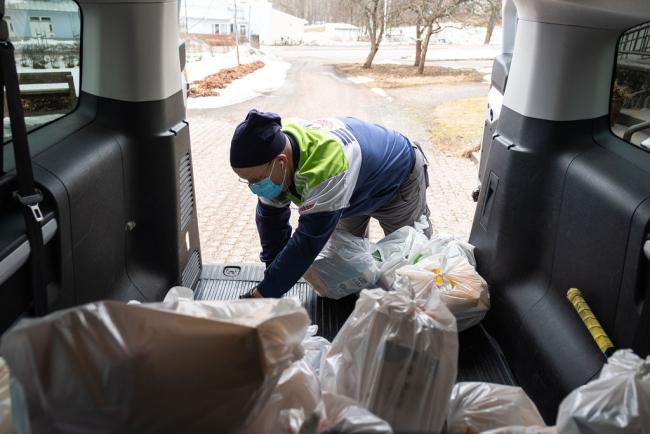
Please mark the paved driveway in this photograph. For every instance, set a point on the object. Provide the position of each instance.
(226, 208)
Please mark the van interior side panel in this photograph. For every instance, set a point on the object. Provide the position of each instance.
(89, 164)
(161, 213)
(560, 215)
(119, 183)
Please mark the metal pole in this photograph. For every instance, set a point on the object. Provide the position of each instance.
(385, 16)
(236, 33)
(187, 31)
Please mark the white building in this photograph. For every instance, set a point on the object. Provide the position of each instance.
(331, 32)
(275, 27)
(215, 17)
(254, 17)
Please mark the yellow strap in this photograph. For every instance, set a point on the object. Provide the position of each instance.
(589, 319)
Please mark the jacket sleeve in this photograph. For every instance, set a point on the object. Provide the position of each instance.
(299, 253)
(273, 228)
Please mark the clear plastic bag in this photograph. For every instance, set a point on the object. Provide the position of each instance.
(344, 416)
(523, 430)
(396, 250)
(408, 246)
(294, 399)
(450, 246)
(315, 349)
(458, 283)
(617, 402)
(184, 366)
(476, 407)
(177, 292)
(345, 266)
(396, 355)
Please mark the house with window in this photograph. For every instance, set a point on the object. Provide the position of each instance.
(216, 17)
(328, 32)
(254, 17)
(42, 19)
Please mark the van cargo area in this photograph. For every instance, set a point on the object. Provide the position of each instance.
(479, 357)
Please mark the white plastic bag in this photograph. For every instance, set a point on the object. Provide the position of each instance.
(617, 402)
(345, 266)
(294, 399)
(293, 404)
(523, 430)
(178, 292)
(458, 283)
(184, 366)
(315, 349)
(448, 245)
(408, 246)
(344, 416)
(476, 407)
(396, 250)
(397, 356)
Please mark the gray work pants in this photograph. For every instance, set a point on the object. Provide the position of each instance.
(405, 208)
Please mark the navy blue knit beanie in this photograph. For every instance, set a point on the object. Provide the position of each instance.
(257, 140)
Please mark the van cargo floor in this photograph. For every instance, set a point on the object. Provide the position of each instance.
(480, 358)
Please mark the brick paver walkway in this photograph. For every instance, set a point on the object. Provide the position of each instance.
(226, 208)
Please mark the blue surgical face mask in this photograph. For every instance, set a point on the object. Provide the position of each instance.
(267, 188)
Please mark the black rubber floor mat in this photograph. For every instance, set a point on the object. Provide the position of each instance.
(227, 282)
(480, 358)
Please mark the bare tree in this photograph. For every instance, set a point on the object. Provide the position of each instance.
(375, 16)
(494, 7)
(419, 29)
(412, 16)
(317, 11)
(236, 29)
(430, 14)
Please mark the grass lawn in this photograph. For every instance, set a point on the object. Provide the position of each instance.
(457, 126)
(391, 76)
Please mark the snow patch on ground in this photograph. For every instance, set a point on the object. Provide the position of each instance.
(211, 63)
(381, 92)
(267, 79)
(360, 79)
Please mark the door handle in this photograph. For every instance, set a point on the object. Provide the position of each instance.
(646, 250)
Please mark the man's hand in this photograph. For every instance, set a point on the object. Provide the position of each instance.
(253, 293)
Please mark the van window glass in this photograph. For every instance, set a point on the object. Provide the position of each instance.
(629, 113)
(47, 39)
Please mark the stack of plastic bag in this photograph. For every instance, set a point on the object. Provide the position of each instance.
(617, 402)
(477, 407)
(396, 355)
(456, 280)
(167, 367)
(345, 266)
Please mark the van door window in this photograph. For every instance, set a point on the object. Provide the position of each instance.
(630, 98)
(47, 39)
